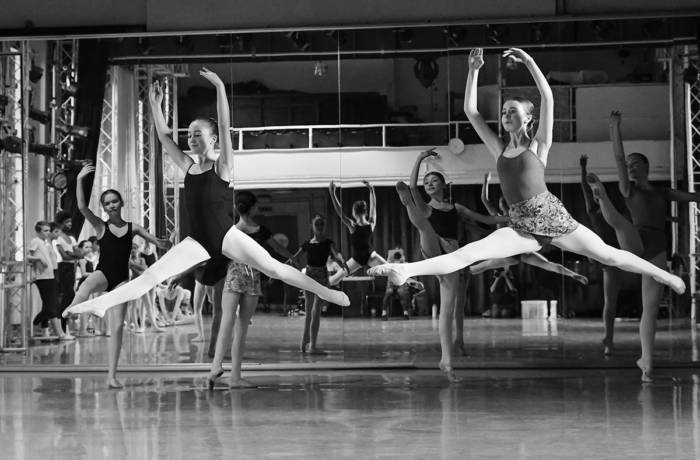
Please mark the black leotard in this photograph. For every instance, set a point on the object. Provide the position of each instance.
(209, 204)
(361, 244)
(114, 256)
(317, 252)
(445, 223)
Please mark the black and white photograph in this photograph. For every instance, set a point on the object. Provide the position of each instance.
(316, 229)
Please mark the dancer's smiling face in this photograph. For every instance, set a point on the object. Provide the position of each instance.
(433, 184)
(201, 137)
(516, 115)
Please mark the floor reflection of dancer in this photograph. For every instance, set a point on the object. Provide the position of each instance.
(531, 258)
(242, 291)
(318, 250)
(616, 231)
(209, 202)
(648, 206)
(438, 224)
(536, 216)
(361, 228)
(115, 237)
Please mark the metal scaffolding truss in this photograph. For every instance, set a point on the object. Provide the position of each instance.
(13, 157)
(692, 116)
(146, 145)
(65, 83)
(105, 166)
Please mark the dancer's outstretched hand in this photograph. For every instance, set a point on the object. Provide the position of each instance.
(332, 186)
(517, 55)
(615, 118)
(487, 177)
(583, 160)
(155, 94)
(476, 58)
(87, 169)
(211, 76)
(366, 183)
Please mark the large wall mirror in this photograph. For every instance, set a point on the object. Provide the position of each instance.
(325, 123)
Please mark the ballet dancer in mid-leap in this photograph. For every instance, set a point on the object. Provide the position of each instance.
(536, 216)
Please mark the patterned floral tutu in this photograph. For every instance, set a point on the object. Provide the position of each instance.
(542, 216)
(243, 279)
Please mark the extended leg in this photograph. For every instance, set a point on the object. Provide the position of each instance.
(538, 260)
(502, 243)
(627, 235)
(240, 247)
(583, 241)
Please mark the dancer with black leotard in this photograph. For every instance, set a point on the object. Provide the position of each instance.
(438, 223)
(115, 237)
(616, 231)
(361, 228)
(532, 258)
(209, 203)
(318, 250)
(242, 291)
(536, 216)
(648, 205)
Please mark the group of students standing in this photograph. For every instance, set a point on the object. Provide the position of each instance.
(531, 217)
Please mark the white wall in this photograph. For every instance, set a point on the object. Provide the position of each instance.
(316, 168)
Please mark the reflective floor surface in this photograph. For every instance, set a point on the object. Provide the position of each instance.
(356, 415)
(489, 343)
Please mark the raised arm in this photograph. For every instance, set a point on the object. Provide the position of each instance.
(338, 208)
(155, 100)
(161, 243)
(372, 204)
(619, 152)
(95, 221)
(415, 192)
(225, 161)
(488, 137)
(587, 192)
(546, 122)
(468, 215)
(485, 196)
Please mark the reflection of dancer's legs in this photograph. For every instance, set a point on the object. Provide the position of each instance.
(449, 282)
(531, 258)
(627, 235)
(612, 279)
(338, 276)
(240, 247)
(312, 321)
(652, 291)
(629, 239)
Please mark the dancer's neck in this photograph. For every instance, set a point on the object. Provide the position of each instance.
(519, 139)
